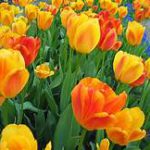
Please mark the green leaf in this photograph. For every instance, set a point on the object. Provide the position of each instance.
(67, 86)
(67, 131)
(8, 112)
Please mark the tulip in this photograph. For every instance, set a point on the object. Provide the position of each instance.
(127, 127)
(42, 5)
(20, 138)
(43, 71)
(129, 69)
(94, 104)
(104, 145)
(79, 4)
(139, 14)
(13, 74)
(109, 6)
(134, 33)
(89, 2)
(20, 27)
(28, 46)
(31, 11)
(83, 33)
(118, 1)
(48, 146)
(44, 20)
(122, 11)
(65, 14)
(57, 3)
(22, 2)
(6, 17)
(109, 28)
(147, 68)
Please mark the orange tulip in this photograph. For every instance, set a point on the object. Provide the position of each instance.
(109, 28)
(28, 46)
(134, 33)
(13, 74)
(139, 14)
(104, 145)
(94, 104)
(118, 1)
(89, 2)
(127, 127)
(44, 19)
(129, 69)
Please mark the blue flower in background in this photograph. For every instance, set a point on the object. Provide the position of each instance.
(129, 16)
(145, 41)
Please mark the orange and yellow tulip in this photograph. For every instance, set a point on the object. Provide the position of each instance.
(28, 46)
(22, 2)
(21, 137)
(79, 4)
(129, 68)
(83, 33)
(147, 68)
(44, 19)
(104, 145)
(89, 2)
(122, 11)
(43, 71)
(13, 74)
(118, 1)
(65, 14)
(127, 127)
(94, 104)
(57, 3)
(134, 33)
(31, 11)
(6, 17)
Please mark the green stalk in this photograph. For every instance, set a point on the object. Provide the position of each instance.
(82, 139)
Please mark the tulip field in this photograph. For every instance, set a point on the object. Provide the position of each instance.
(75, 75)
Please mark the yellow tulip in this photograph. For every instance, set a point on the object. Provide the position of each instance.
(122, 11)
(129, 68)
(147, 68)
(127, 127)
(48, 146)
(104, 145)
(31, 11)
(20, 27)
(134, 33)
(43, 71)
(44, 20)
(42, 5)
(6, 17)
(17, 137)
(13, 74)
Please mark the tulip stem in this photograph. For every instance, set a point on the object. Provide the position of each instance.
(82, 139)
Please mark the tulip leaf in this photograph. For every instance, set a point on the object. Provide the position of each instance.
(8, 112)
(66, 131)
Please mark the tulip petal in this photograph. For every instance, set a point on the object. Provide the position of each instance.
(14, 82)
